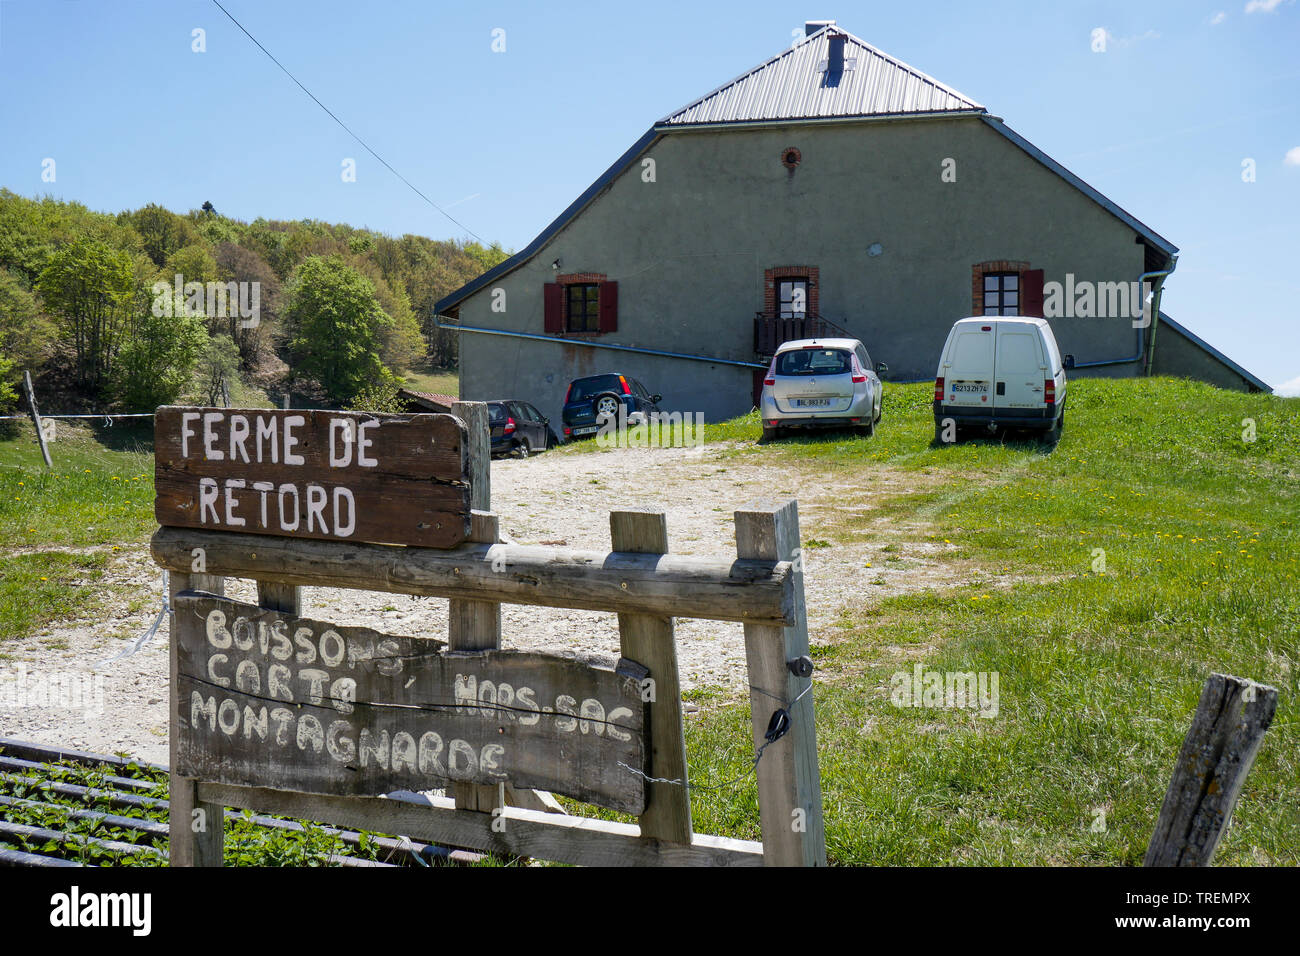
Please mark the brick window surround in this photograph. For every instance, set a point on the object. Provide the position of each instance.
(556, 310)
(770, 276)
(1030, 285)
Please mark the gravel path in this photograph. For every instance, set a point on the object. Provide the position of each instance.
(559, 499)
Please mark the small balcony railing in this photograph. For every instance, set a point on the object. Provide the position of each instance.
(771, 332)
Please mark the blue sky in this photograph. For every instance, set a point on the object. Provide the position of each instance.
(1161, 122)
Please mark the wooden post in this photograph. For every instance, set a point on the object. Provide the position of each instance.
(476, 625)
(648, 640)
(36, 417)
(197, 829)
(789, 783)
(1227, 730)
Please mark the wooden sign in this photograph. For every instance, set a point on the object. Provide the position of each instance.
(339, 476)
(266, 699)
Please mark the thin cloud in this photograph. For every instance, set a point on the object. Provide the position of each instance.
(1218, 18)
(1262, 6)
(1289, 389)
(1292, 157)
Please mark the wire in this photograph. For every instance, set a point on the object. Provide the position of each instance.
(331, 115)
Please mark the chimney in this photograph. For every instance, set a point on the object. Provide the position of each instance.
(812, 26)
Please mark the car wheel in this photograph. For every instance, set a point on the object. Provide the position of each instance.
(606, 406)
(868, 430)
(521, 450)
(771, 433)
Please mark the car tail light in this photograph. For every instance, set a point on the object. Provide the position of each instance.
(859, 376)
(771, 373)
(567, 431)
(510, 426)
(623, 382)
(1049, 390)
(567, 393)
(938, 389)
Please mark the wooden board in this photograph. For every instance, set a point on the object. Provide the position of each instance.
(268, 699)
(337, 476)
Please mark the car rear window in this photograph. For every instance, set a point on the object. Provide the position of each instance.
(591, 387)
(814, 362)
(496, 411)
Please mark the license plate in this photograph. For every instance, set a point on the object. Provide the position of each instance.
(970, 387)
(812, 403)
(590, 430)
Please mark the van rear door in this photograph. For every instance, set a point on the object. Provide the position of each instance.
(968, 373)
(1021, 367)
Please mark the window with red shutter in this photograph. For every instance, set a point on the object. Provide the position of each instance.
(1031, 292)
(609, 307)
(553, 308)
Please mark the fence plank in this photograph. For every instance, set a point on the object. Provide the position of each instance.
(583, 841)
(789, 783)
(648, 640)
(752, 591)
(196, 828)
(1227, 730)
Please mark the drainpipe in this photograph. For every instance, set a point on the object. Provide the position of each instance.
(597, 345)
(1155, 310)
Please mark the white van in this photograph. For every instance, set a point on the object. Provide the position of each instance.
(1000, 372)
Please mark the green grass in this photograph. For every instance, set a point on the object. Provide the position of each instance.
(436, 380)
(60, 528)
(1100, 666)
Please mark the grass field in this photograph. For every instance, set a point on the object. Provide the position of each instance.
(438, 381)
(1109, 576)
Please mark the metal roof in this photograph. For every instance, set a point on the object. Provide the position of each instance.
(828, 74)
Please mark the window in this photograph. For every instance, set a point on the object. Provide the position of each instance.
(792, 298)
(813, 362)
(582, 307)
(1001, 293)
(580, 303)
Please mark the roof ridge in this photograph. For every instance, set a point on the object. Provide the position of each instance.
(881, 57)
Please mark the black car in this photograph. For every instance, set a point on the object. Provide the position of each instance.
(519, 429)
(592, 399)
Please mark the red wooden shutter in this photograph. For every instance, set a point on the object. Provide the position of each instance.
(553, 307)
(609, 307)
(1031, 293)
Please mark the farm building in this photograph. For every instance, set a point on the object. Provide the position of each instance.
(831, 190)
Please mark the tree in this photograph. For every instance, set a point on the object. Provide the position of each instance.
(218, 362)
(337, 327)
(156, 362)
(162, 231)
(92, 291)
(25, 332)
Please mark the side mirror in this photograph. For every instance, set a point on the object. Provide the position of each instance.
(545, 421)
(1069, 361)
(656, 399)
(881, 368)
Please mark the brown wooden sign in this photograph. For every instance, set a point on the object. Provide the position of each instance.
(339, 476)
(267, 699)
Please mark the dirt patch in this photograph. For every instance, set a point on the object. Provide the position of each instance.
(554, 499)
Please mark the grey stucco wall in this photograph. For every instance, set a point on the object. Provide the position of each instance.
(689, 252)
(1179, 356)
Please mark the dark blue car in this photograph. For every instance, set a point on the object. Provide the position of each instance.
(591, 400)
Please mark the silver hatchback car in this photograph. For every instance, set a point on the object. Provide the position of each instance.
(821, 383)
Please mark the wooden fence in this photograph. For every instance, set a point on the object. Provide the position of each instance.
(760, 587)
